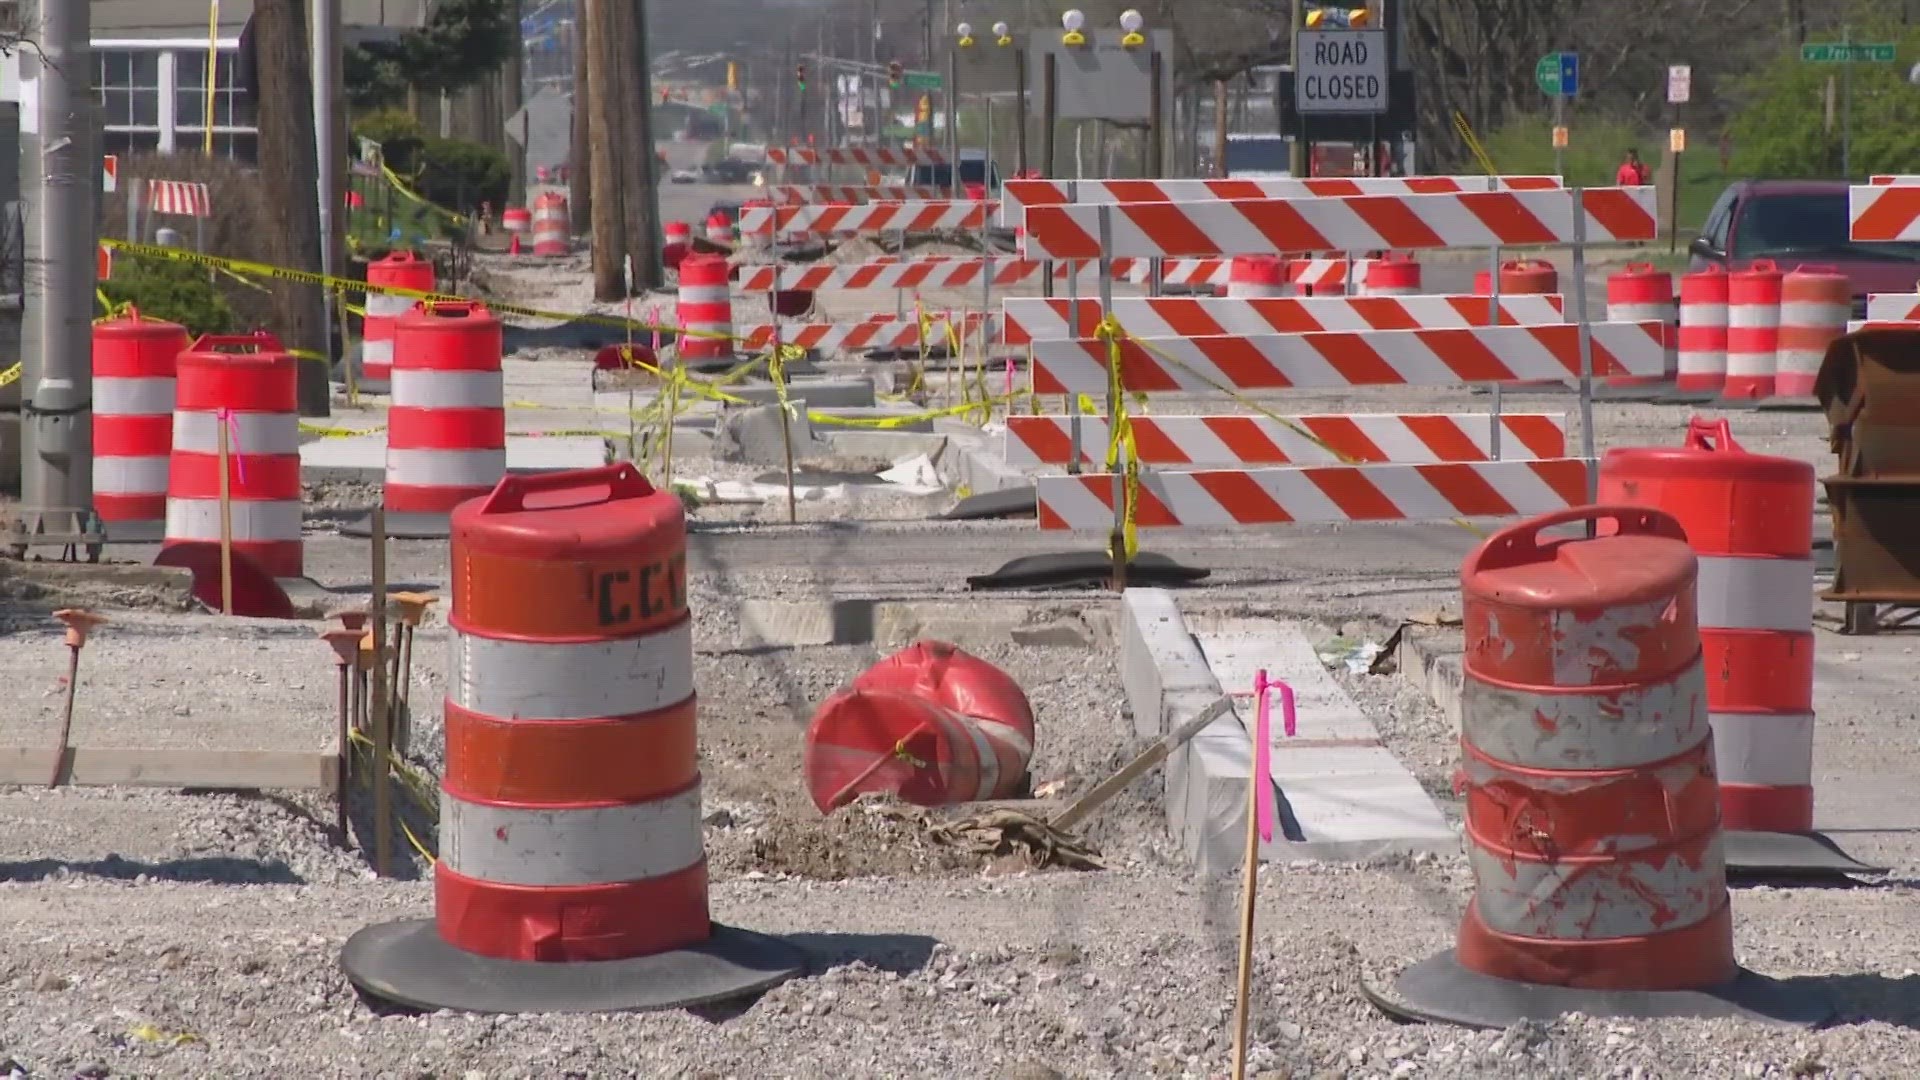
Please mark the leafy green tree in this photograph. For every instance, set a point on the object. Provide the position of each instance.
(463, 42)
(1781, 131)
(177, 292)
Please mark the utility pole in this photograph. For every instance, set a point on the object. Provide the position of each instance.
(512, 96)
(59, 176)
(639, 163)
(580, 155)
(1297, 149)
(327, 151)
(603, 99)
(288, 167)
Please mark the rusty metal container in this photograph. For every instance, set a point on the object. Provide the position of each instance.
(1869, 388)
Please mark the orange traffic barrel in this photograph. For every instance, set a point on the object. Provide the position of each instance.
(1519, 277)
(1753, 330)
(133, 380)
(1749, 519)
(679, 241)
(1250, 276)
(1391, 275)
(400, 270)
(1700, 361)
(572, 874)
(552, 228)
(517, 220)
(1640, 293)
(1815, 304)
(705, 312)
(1592, 815)
(447, 429)
(719, 230)
(933, 724)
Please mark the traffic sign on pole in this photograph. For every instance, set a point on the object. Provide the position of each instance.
(1838, 53)
(1558, 74)
(1679, 84)
(923, 80)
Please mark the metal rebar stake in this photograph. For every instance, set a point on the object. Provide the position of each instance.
(1493, 319)
(1587, 440)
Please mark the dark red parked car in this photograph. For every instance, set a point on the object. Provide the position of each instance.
(1802, 221)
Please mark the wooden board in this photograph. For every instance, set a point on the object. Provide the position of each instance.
(133, 767)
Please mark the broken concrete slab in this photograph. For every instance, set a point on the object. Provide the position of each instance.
(819, 393)
(363, 458)
(767, 434)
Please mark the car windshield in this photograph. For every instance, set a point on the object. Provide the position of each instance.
(971, 172)
(1257, 155)
(1806, 224)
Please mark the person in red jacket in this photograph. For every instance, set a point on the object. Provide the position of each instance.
(1633, 172)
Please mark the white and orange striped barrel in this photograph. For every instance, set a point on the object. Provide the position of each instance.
(1700, 360)
(932, 724)
(248, 386)
(447, 429)
(1749, 518)
(1592, 816)
(133, 380)
(1753, 330)
(719, 230)
(570, 810)
(1639, 293)
(1815, 304)
(400, 270)
(1256, 276)
(552, 230)
(705, 310)
(516, 220)
(1391, 275)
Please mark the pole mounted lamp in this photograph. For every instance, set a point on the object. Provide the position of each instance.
(1131, 22)
(965, 30)
(1072, 21)
(1003, 35)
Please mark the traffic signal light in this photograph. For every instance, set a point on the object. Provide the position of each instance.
(800, 75)
(894, 74)
(733, 75)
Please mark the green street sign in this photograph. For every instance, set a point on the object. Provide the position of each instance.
(1833, 53)
(922, 80)
(1547, 74)
(718, 108)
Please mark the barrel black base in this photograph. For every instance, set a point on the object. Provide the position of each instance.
(1086, 570)
(1440, 991)
(403, 526)
(1793, 855)
(408, 964)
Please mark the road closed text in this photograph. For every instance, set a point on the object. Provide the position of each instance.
(1343, 72)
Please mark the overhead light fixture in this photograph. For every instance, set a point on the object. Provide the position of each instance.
(965, 30)
(1003, 34)
(1072, 21)
(1131, 22)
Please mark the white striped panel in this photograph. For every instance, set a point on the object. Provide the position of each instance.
(132, 397)
(376, 352)
(705, 294)
(199, 519)
(416, 388)
(532, 680)
(1144, 316)
(560, 846)
(1622, 728)
(1814, 313)
(1898, 220)
(1193, 506)
(445, 468)
(1653, 312)
(129, 475)
(1763, 749)
(250, 433)
(1405, 352)
(1756, 594)
(1204, 446)
(1894, 306)
(385, 306)
(1573, 900)
(1703, 315)
(1753, 316)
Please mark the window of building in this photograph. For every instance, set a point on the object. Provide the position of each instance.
(232, 107)
(128, 84)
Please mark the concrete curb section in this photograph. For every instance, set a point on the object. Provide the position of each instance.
(1342, 795)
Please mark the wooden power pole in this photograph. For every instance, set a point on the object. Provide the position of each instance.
(639, 165)
(603, 109)
(288, 171)
(580, 156)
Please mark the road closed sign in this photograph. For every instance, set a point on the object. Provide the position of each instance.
(1342, 71)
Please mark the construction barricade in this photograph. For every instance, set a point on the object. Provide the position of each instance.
(1178, 346)
(447, 429)
(572, 876)
(1815, 303)
(133, 382)
(1592, 815)
(237, 397)
(705, 313)
(1700, 358)
(1640, 293)
(932, 724)
(1749, 520)
(397, 270)
(552, 227)
(1753, 331)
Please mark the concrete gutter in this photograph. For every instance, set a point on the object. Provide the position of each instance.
(1341, 794)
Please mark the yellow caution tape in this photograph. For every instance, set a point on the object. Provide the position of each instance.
(10, 376)
(148, 1033)
(415, 197)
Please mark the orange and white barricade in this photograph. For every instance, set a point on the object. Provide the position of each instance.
(705, 312)
(1640, 293)
(552, 227)
(1815, 303)
(1031, 318)
(1753, 330)
(398, 270)
(1592, 815)
(1700, 360)
(572, 875)
(447, 429)
(1217, 441)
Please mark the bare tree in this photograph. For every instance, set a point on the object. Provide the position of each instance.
(603, 104)
(289, 170)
